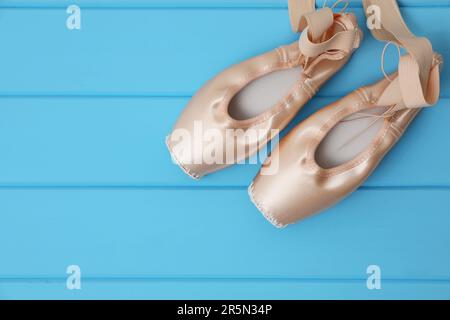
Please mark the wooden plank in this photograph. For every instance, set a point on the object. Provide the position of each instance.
(120, 142)
(165, 233)
(85, 177)
(123, 51)
(222, 289)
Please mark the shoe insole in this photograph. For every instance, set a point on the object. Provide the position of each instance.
(263, 93)
(342, 144)
(349, 138)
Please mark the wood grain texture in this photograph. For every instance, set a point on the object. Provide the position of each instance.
(219, 233)
(120, 142)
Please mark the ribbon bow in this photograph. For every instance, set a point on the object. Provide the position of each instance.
(314, 25)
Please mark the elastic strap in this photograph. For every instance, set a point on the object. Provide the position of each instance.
(417, 84)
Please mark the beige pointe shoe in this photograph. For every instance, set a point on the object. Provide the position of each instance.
(303, 185)
(207, 137)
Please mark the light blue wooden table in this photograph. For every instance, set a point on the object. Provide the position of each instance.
(85, 178)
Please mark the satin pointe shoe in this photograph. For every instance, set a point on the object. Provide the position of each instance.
(210, 135)
(315, 170)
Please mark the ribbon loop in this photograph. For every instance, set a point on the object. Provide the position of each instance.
(342, 41)
(303, 14)
(418, 73)
(314, 25)
(297, 9)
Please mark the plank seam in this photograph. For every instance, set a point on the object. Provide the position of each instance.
(194, 188)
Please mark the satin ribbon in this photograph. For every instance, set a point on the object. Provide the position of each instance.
(417, 84)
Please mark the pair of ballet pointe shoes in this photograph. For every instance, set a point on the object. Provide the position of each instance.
(292, 184)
